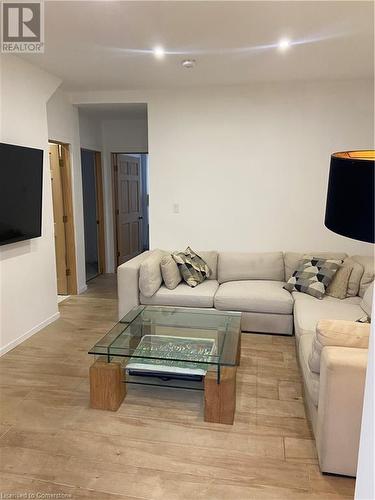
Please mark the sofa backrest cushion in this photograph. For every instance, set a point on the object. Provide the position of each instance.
(366, 302)
(150, 277)
(210, 257)
(368, 274)
(237, 266)
(291, 259)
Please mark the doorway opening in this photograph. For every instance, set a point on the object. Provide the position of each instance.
(65, 250)
(130, 205)
(93, 213)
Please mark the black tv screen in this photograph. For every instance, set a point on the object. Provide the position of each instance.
(21, 177)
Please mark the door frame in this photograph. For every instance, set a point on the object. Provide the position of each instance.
(67, 196)
(115, 198)
(99, 208)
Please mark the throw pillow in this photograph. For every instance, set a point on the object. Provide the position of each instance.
(339, 285)
(367, 262)
(193, 268)
(340, 333)
(169, 270)
(313, 276)
(355, 277)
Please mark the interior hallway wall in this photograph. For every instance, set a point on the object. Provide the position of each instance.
(27, 268)
(118, 136)
(63, 126)
(90, 213)
(90, 131)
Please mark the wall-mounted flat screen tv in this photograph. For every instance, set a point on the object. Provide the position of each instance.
(21, 178)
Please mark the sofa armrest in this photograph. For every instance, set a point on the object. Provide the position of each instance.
(341, 389)
(128, 284)
(337, 333)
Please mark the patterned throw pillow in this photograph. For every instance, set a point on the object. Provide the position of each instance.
(313, 276)
(193, 268)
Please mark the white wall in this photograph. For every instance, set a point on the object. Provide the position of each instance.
(125, 136)
(118, 136)
(63, 126)
(27, 269)
(248, 165)
(90, 131)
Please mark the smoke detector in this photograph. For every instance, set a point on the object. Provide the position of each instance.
(188, 63)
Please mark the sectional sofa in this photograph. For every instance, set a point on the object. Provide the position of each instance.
(253, 284)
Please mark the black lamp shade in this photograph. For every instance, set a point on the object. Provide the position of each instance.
(350, 197)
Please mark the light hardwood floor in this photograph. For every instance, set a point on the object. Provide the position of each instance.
(156, 446)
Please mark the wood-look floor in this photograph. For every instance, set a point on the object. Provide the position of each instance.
(156, 446)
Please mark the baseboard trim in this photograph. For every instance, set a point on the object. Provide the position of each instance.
(28, 334)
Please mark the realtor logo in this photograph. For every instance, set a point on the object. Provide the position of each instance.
(22, 27)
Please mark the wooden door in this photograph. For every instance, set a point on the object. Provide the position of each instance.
(128, 207)
(59, 219)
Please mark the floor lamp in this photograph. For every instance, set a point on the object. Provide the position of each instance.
(350, 212)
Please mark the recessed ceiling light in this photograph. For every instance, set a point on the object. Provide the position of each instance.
(188, 63)
(284, 43)
(159, 52)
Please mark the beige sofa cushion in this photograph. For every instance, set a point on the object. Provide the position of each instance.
(368, 275)
(235, 266)
(366, 302)
(169, 271)
(255, 322)
(354, 278)
(339, 333)
(150, 277)
(184, 296)
(291, 259)
(210, 256)
(309, 310)
(254, 296)
(311, 380)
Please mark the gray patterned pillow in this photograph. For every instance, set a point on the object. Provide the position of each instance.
(193, 268)
(313, 276)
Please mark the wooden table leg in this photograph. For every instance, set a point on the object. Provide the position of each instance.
(238, 357)
(107, 386)
(220, 398)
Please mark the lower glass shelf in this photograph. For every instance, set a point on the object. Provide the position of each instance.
(175, 383)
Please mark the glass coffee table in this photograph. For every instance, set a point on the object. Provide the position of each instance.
(177, 347)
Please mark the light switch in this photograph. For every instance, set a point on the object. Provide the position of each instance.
(176, 208)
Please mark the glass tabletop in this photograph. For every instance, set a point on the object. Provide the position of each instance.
(175, 334)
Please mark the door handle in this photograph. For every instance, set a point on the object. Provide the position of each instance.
(140, 218)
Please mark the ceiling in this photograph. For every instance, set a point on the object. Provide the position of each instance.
(105, 45)
(129, 111)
